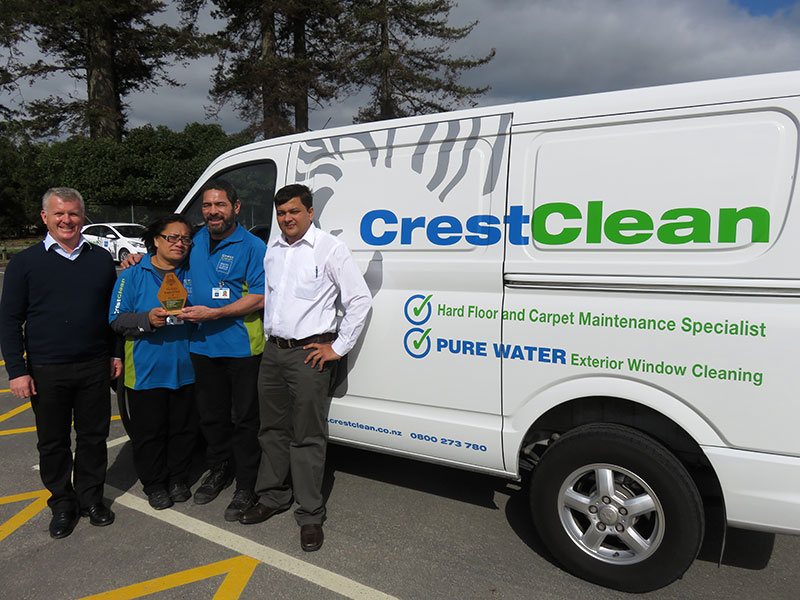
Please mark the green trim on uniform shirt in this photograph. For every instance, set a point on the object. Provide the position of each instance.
(254, 324)
(130, 370)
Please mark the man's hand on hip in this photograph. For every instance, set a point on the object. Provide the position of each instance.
(320, 354)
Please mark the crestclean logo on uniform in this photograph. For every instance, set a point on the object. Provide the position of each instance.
(417, 312)
(225, 263)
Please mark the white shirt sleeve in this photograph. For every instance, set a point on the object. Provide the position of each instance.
(354, 296)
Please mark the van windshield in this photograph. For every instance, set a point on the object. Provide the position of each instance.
(255, 185)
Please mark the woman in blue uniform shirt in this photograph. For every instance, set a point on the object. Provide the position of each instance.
(158, 374)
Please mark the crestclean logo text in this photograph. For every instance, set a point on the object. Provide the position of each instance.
(562, 223)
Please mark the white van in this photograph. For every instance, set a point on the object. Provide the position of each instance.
(603, 289)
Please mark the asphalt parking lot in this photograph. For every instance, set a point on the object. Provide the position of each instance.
(396, 529)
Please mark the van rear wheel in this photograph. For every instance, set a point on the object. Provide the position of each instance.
(616, 508)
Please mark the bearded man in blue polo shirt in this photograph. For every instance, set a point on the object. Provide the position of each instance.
(226, 288)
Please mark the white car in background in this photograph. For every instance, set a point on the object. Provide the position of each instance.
(120, 239)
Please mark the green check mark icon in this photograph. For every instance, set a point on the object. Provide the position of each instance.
(418, 311)
(418, 343)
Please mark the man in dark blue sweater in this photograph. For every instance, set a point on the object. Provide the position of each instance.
(54, 306)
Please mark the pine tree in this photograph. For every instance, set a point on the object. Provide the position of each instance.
(248, 75)
(111, 45)
(275, 59)
(390, 55)
(317, 71)
(13, 31)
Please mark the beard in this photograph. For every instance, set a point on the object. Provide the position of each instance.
(221, 227)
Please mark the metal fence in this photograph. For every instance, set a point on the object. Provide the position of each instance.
(127, 214)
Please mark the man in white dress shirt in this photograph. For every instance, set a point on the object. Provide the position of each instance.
(307, 270)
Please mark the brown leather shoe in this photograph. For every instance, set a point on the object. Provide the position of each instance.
(258, 514)
(311, 537)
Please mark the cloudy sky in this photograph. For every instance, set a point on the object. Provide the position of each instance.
(552, 48)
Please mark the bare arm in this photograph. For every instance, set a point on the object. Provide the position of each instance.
(243, 306)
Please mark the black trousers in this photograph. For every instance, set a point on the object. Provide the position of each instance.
(67, 392)
(227, 402)
(164, 432)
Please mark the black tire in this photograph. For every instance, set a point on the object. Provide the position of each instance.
(594, 533)
(122, 254)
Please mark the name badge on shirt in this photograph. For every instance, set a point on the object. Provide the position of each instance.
(221, 293)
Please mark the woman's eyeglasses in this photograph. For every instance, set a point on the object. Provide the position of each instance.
(173, 239)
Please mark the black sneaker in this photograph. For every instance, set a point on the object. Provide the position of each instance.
(217, 480)
(242, 500)
(159, 500)
(179, 492)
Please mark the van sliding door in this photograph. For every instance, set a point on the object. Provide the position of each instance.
(653, 258)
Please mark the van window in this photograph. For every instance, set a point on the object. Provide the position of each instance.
(255, 185)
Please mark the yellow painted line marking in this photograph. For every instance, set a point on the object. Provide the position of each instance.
(239, 570)
(39, 502)
(31, 429)
(241, 545)
(14, 411)
(15, 431)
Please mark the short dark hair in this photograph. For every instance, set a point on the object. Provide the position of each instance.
(221, 185)
(155, 228)
(295, 190)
